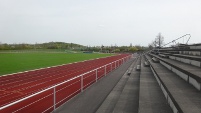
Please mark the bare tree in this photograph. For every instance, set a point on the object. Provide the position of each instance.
(152, 44)
(159, 40)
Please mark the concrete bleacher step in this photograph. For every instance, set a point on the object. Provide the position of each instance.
(163, 55)
(195, 52)
(195, 46)
(128, 101)
(191, 74)
(109, 103)
(189, 59)
(151, 98)
(181, 96)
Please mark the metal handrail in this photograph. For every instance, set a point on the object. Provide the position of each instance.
(178, 38)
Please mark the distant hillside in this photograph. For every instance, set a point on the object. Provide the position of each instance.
(48, 45)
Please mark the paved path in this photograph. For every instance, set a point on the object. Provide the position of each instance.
(125, 96)
(129, 99)
(110, 102)
(91, 99)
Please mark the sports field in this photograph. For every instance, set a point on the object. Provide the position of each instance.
(17, 62)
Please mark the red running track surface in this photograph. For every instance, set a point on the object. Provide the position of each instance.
(20, 85)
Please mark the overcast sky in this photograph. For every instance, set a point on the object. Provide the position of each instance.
(97, 22)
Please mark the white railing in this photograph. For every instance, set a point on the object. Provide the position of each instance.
(116, 63)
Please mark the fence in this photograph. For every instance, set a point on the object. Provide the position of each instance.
(49, 99)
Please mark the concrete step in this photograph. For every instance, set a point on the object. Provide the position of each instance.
(181, 96)
(129, 99)
(151, 99)
(189, 73)
(188, 59)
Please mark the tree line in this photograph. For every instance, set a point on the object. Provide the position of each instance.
(72, 46)
(115, 49)
(49, 45)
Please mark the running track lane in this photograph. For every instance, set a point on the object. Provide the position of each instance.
(17, 86)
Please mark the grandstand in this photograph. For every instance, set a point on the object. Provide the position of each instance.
(167, 82)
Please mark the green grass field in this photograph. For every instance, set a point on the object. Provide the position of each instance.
(17, 62)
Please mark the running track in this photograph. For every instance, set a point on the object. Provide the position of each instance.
(20, 85)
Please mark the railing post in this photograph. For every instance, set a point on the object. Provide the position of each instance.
(96, 75)
(82, 83)
(54, 97)
(111, 67)
(122, 61)
(105, 69)
(115, 64)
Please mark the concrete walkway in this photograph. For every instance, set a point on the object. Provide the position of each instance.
(91, 99)
(125, 96)
(110, 102)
